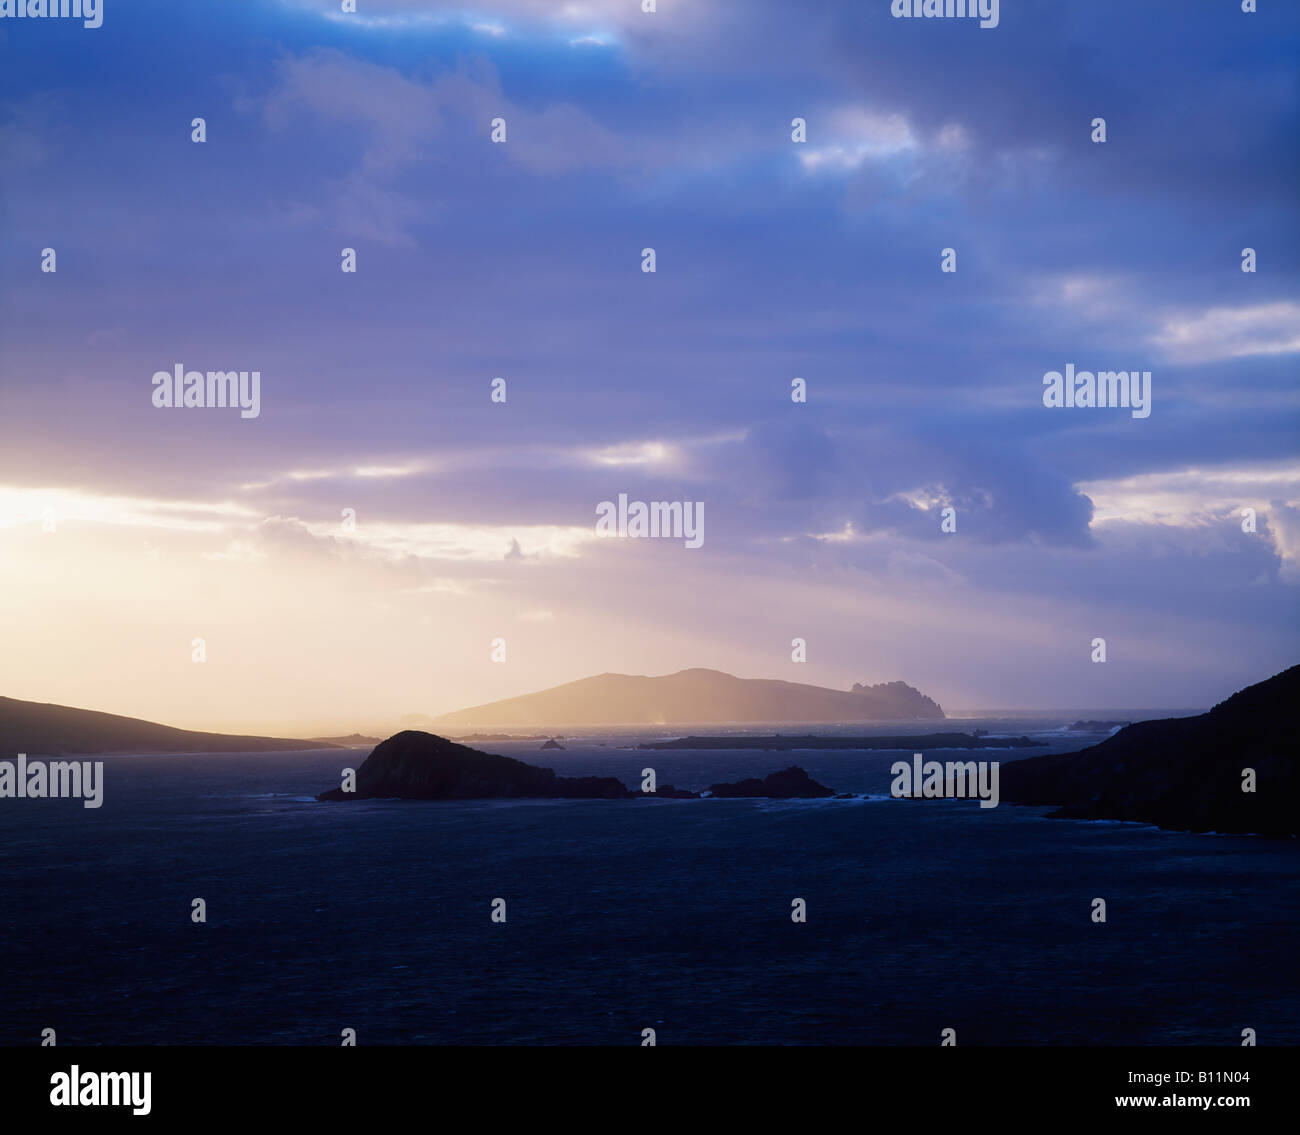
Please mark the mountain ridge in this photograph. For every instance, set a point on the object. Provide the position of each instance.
(698, 696)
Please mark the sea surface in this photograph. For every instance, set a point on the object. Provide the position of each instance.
(628, 915)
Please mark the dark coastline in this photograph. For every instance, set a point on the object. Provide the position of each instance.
(780, 742)
(1230, 770)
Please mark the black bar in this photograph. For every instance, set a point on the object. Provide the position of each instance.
(871, 1086)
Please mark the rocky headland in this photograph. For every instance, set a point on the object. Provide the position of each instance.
(1183, 773)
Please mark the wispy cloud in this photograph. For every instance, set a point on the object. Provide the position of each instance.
(1231, 332)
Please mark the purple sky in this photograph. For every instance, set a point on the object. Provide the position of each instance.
(820, 260)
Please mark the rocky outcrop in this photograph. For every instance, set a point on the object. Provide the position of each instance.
(1183, 773)
(552, 744)
(672, 792)
(896, 701)
(789, 784)
(421, 766)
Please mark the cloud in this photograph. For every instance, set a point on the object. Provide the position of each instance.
(1231, 332)
(1201, 499)
(398, 118)
(539, 616)
(1283, 524)
(70, 506)
(634, 453)
(521, 260)
(530, 13)
(859, 135)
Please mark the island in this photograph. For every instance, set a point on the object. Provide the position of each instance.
(696, 697)
(908, 742)
(351, 741)
(789, 784)
(413, 765)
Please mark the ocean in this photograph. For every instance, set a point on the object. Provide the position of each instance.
(622, 916)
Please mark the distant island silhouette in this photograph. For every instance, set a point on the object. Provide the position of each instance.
(778, 741)
(698, 697)
(351, 741)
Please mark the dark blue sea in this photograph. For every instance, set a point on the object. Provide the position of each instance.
(627, 915)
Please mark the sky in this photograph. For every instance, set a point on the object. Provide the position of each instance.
(354, 552)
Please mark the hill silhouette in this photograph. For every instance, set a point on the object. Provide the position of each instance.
(1183, 773)
(698, 697)
(43, 729)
